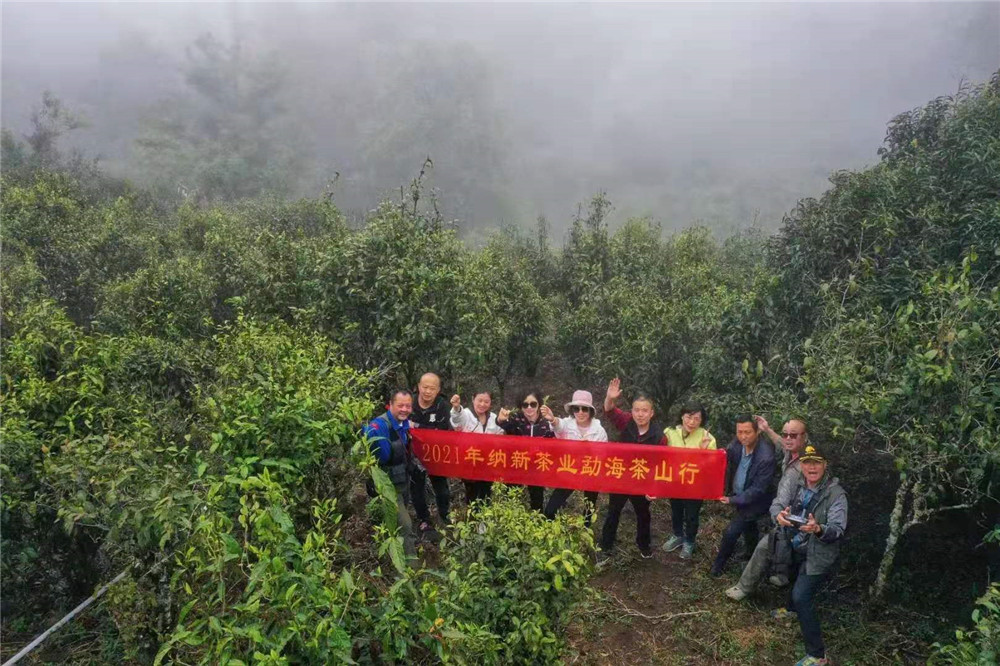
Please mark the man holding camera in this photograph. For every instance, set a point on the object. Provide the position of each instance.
(814, 512)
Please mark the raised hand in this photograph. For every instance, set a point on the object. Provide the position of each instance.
(706, 441)
(761, 422)
(503, 415)
(614, 389)
(456, 402)
(547, 413)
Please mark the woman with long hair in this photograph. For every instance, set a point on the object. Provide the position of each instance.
(528, 422)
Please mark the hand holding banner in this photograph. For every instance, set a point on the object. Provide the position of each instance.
(607, 467)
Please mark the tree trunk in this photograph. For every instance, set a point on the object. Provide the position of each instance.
(896, 528)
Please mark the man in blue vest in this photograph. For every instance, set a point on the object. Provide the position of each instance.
(389, 438)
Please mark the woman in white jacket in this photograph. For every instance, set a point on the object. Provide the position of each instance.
(478, 419)
(582, 426)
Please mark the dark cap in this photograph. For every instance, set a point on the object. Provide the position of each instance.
(811, 455)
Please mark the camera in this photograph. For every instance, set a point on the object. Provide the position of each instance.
(796, 520)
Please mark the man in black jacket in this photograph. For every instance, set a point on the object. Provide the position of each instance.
(750, 467)
(636, 427)
(430, 411)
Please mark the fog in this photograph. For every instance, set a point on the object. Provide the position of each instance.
(722, 114)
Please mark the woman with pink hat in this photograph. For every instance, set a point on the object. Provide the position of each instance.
(580, 426)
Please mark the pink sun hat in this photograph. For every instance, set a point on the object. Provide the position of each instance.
(581, 399)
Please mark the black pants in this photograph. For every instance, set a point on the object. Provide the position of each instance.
(559, 497)
(745, 525)
(615, 505)
(536, 496)
(477, 491)
(442, 495)
(685, 514)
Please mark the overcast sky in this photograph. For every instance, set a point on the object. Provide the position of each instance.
(682, 111)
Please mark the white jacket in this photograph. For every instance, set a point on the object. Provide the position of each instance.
(566, 428)
(466, 421)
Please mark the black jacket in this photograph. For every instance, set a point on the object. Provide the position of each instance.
(435, 417)
(516, 424)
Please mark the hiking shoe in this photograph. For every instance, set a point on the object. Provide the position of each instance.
(687, 551)
(812, 661)
(778, 581)
(673, 543)
(646, 553)
(784, 615)
(429, 533)
(736, 593)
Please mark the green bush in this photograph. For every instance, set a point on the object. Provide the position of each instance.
(979, 646)
(516, 576)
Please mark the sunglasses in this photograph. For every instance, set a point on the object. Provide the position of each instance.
(791, 435)
(577, 408)
(529, 404)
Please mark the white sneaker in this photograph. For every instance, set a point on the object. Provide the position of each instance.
(687, 552)
(778, 581)
(673, 543)
(736, 593)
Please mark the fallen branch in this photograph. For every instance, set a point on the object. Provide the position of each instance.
(655, 618)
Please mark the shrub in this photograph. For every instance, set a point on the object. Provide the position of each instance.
(979, 646)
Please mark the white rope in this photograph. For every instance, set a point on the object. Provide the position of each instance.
(69, 616)
(73, 613)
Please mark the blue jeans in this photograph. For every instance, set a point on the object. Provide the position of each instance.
(801, 601)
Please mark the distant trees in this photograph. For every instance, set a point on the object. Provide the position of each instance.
(228, 135)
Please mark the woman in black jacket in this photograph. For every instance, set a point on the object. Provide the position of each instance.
(527, 422)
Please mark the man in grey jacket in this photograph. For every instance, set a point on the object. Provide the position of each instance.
(815, 509)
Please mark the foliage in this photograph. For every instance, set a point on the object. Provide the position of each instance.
(517, 576)
(393, 294)
(981, 645)
(504, 320)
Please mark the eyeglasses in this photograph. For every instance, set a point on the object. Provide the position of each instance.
(529, 404)
(791, 435)
(577, 408)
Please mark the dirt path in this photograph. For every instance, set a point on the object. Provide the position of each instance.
(631, 623)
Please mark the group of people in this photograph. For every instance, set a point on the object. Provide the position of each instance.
(793, 496)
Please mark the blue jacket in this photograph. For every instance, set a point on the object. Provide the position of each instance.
(378, 434)
(757, 493)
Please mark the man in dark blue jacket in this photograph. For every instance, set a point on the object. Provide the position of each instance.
(750, 466)
(389, 438)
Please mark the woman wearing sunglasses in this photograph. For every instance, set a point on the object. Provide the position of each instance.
(582, 426)
(528, 422)
(478, 419)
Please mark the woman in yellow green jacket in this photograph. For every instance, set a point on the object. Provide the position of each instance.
(689, 433)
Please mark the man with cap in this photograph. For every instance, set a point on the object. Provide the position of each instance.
(581, 426)
(773, 551)
(389, 438)
(815, 512)
(431, 411)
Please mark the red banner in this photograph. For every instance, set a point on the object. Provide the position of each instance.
(607, 467)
